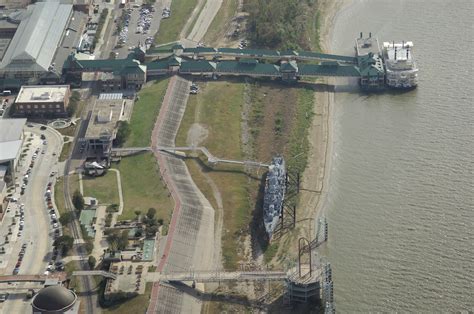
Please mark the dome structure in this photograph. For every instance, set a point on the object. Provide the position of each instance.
(53, 299)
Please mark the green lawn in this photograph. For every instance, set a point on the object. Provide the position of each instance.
(136, 305)
(220, 111)
(103, 188)
(144, 114)
(59, 196)
(142, 187)
(65, 151)
(170, 28)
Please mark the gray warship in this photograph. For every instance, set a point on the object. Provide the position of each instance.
(275, 187)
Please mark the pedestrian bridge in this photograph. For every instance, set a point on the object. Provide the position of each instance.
(267, 54)
(218, 276)
(176, 150)
(102, 273)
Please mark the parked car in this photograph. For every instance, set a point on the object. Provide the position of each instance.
(4, 296)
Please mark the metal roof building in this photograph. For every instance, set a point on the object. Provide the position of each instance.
(36, 40)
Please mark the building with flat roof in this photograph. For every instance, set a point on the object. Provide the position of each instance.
(42, 101)
(109, 109)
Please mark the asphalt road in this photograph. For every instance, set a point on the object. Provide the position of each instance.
(211, 7)
(38, 231)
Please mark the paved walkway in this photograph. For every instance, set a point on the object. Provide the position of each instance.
(120, 192)
(190, 240)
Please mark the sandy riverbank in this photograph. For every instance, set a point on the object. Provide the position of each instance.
(315, 180)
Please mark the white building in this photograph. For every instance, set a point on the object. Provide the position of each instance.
(11, 141)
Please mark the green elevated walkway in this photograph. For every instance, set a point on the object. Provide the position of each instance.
(251, 53)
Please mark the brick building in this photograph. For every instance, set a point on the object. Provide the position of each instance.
(42, 101)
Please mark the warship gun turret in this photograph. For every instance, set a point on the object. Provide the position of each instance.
(275, 188)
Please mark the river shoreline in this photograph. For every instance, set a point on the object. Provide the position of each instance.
(315, 180)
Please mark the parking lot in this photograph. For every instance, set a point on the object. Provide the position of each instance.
(31, 222)
(140, 24)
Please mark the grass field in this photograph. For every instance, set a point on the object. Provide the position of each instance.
(170, 28)
(144, 114)
(137, 304)
(103, 188)
(59, 196)
(220, 113)
(142, 188)
(73, 183)
(65, 151)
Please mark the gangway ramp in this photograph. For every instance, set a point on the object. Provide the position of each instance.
(211, 158)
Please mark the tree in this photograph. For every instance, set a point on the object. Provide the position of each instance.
(78, 200)
(65, 242)
(66, 218)
(113, 239)
(123, 240)
(151, 213)
(123, 132)
(151, 230)
(73, 103)
(91, 261)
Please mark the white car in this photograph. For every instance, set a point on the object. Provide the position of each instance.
(46, 273)
(22, 222)
(53, 216)
(55, 225)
